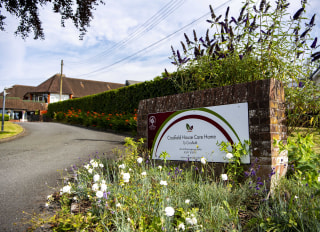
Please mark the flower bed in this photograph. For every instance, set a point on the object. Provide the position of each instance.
(116, 121)
(133, 193)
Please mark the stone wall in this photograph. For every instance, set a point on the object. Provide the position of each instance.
(267, 119)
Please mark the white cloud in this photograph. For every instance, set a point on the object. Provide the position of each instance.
(31, 62)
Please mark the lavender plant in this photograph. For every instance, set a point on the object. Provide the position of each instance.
(264, 41)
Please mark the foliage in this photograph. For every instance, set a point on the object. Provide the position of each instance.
(238, 151)
(115, 121)
(293, 207)
(303, 106)
(125, 99)
(262, 42)
(27, 12)
(304, 161)
(6, 117)
(132, 193)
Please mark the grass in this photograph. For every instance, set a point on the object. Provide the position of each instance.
(10, 129)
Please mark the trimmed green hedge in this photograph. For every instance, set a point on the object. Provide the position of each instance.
(125, 99)
(6, 117)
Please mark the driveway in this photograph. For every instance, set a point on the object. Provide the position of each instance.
(29, 165)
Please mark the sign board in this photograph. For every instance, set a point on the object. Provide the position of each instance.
(194, 133)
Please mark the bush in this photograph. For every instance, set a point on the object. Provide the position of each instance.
(6, 117)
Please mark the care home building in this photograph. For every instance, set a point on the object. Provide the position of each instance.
(24, 101)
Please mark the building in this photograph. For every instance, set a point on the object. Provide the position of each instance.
(24, 101)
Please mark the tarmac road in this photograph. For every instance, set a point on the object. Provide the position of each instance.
(29, 164)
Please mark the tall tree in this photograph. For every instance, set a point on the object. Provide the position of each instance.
(27, 12)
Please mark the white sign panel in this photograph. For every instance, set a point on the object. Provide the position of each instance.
(195, 133)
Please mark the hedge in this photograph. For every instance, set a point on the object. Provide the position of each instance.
(124, 99)
(6, 117)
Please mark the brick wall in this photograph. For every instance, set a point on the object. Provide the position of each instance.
(266, 117)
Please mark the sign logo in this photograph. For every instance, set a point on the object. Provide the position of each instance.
(152, 122)
(189, 128)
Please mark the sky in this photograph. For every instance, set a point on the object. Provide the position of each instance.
(126, 40)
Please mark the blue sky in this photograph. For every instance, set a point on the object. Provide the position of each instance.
(137, 24)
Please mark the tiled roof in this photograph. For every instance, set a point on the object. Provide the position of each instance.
(76, 87)
(18, 104)
(18, 91)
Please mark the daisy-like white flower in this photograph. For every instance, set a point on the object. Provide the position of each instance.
(96, 177)
(94, 163)
(160, 167)
(143, 173)
(95, 187)
(122, 166)
(126, 177)
(101, 165)
(169, 211)
(103, 187)
(224, 177)
(163, 182)
(99, 194)
(139, 160)
(128, 219)
(187, 201)
(191, 221)
(90, 170)
(66, 189)
(181, 227)
(229, 155)
(87, 166)
(203, 160)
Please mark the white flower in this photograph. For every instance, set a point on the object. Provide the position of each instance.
(191, 221)
(318, 178)
(181, 226)
(160, 167)
(126, 177)
(103, 182)
(139, 160)
(103, 187)
(229, 155)
(94, 163)
(96, 177)
(224, 177)
(122, 166)
(90, 170)
(129, 219)
(169, 211)
(296, 197)
(101, 165)
(130, 169)
(187, 201)
(203, 160)
(47, 204)
(144, 173)
(66, 189)
(49, 197)
(99, 194)
(118, 205)
(163, 182)
(95, 187)
(87, 166)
